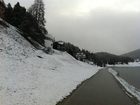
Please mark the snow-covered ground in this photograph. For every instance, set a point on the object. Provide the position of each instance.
(40, 81)
(31, 77)
(131, 89)
(131, 64)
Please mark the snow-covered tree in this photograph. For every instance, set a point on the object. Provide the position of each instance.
(38, 11)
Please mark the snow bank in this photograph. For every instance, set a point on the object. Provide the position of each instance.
(31, 77)
(131, 64)
(131, 89)
(134, 64)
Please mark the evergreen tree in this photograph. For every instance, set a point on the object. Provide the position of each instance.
(18, 15)
(31, 29)
(38, 11)
(2, 9)
(8, 13)
(26, 22)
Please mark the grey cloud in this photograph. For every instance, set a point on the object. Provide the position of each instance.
(103, 30)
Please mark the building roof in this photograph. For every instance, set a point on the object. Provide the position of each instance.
(60, 42)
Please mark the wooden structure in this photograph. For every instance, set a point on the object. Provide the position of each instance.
(59, 45)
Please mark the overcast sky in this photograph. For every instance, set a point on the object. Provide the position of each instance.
(97, 25)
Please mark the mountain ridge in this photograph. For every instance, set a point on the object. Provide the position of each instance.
(133, 54)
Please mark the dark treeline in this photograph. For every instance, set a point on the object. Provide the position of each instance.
(105, 58)
(19, 17)
(100, 59)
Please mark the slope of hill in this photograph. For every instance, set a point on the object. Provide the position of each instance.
(31, 77)
(103, 58)
(12, 43)
(105, 55)
(134, 54)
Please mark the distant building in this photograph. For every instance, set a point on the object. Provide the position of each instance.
(80, 56)
(59, 45)
(137, 60)
(2, 9)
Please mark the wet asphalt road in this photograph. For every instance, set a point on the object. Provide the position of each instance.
(101, 89)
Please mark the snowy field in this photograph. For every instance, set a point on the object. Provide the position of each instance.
(31, 77)
(131, 64)
(131, 89)
(40, 81)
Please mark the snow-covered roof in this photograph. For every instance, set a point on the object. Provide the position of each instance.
(60, 42)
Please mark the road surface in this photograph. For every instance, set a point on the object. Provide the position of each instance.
(101, 89)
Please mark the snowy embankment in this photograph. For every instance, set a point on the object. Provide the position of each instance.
(40, 81)
(129, 88)
(131, 64)
(31, 77)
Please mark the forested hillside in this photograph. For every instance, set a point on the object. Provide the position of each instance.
(133, 54)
